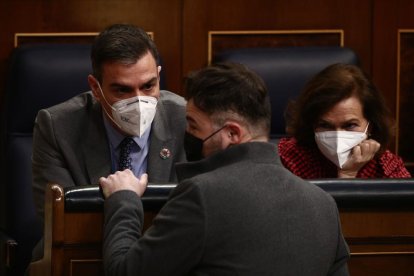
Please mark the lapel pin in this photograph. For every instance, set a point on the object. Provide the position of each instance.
(165, 153)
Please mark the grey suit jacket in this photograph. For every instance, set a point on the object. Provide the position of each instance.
(70, 146)
(239, 212)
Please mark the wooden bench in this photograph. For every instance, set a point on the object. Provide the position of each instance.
(377, 219)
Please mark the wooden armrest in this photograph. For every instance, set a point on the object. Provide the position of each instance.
(53, 201)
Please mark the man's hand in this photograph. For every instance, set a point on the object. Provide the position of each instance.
(361, 155)
(123, 180)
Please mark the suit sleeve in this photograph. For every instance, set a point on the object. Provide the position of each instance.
(171, 246)
(47, 161)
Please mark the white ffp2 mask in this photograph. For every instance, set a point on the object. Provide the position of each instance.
(133, 115)
(337, 145)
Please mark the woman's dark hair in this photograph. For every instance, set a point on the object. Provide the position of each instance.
(332, 85)
(121, 43)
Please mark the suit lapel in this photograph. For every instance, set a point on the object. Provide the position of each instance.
(162, 148)
(95, 147)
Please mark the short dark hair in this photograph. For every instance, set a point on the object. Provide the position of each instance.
(225, 88)
(335, 83)
(121, 43)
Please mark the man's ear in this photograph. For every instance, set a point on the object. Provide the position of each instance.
(234, 132)
(93, 84)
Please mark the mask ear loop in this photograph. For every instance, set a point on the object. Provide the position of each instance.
(214, 133)
(366, 128)
(110, 117)
(99, 85)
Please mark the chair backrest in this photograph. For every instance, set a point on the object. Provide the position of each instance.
(286, 71)
(377, 218)
(39, 76)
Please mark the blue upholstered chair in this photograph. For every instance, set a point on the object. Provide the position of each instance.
(40, 76)
(286, 71)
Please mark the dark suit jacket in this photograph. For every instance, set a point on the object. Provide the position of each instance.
(70, 146)
(239, 212)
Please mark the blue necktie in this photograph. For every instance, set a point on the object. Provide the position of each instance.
(124, 155)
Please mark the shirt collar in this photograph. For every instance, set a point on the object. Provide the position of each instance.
(115, 137)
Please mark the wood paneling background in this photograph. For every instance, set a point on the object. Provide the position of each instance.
(181, 27)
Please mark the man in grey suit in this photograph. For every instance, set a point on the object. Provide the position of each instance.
(238, 211)
(78, 141)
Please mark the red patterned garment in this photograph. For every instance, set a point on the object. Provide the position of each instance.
(311, 164)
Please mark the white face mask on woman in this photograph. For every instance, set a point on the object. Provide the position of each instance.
(133, 115)
(337, 145)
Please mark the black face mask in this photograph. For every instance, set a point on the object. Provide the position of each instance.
(193, 146)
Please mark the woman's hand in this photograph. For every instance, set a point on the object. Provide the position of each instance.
(360, 155)
(123, 180)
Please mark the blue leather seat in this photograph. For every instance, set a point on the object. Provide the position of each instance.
(39, 76)
(286, 71)
(348, 193)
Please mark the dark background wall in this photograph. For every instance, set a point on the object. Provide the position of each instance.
(381, 32)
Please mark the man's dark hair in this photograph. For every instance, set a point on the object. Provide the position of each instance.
(225, 88)
(332, 85)
(122, 43)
